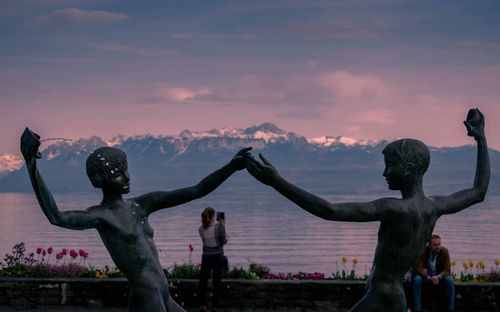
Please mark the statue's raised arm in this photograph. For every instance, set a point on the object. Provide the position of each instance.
(77, 220)
(267, 174)
(465, 198)
(154, 201)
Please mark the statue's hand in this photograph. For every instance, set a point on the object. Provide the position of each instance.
(30, 142)
(238, 160)
(475, 123)
(262, 171)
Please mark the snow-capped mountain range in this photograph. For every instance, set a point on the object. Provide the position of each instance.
(266, 132)
(327, 163)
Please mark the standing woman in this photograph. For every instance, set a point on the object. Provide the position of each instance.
(213, 236)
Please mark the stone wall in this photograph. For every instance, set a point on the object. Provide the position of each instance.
(243, 295)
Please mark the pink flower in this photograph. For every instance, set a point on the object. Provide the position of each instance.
(191, 248)
(64, 251)
(44, 252)
(81, 252)
(85, 255)
(50, 250)
(39, 250)
(73, 253)
(59, 256)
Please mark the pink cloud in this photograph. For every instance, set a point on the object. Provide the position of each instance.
(347, 85)
(181, 94)
(74, 16)
(10, 162)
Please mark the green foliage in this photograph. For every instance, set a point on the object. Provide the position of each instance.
(16, 270)
(351, 276)
(492, 277)
(241, 273)
(259, 269)
(185, 270)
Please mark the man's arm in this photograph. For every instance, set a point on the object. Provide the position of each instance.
(421, 264)
(77, 220)
(445, 263)
(159, 200)
(358, 212)
(465, 198)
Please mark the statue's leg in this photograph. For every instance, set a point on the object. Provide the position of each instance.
(174, 307)
(385, 299)
(169, 301)
(141, 300)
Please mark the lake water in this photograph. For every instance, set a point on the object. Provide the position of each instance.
(262, 227)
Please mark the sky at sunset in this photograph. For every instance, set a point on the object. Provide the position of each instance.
(363, 69)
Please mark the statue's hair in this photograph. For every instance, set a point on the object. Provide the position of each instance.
(103, 163)
(410, 151)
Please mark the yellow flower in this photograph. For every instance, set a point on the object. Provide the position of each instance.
(344, 259)
(481, 264)
(453, 263)
(465, 264)
(471, 264)
(497, 261)
(355, 260)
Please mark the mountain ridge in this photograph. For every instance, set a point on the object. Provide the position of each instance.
(328, 163)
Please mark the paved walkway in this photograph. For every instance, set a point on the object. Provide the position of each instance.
(4, 308)
(64, 309)
(80, 309)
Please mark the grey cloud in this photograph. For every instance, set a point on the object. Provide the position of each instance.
(342, 28)
(74, 16)
(207, 36)
(127, 49)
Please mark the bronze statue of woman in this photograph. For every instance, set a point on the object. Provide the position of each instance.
(123, 223)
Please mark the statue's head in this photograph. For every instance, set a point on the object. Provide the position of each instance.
(405, 159)
(104, 164)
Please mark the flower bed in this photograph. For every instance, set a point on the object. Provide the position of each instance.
(72, 263)
(67, 263)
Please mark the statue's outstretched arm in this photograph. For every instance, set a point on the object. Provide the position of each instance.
(159, 200)
(465, 198)
(77, 220)
(359, 212)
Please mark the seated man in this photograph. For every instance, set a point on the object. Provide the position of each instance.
(433, 268)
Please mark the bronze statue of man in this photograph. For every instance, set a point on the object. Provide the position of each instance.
(406, 224)
(123, 223)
